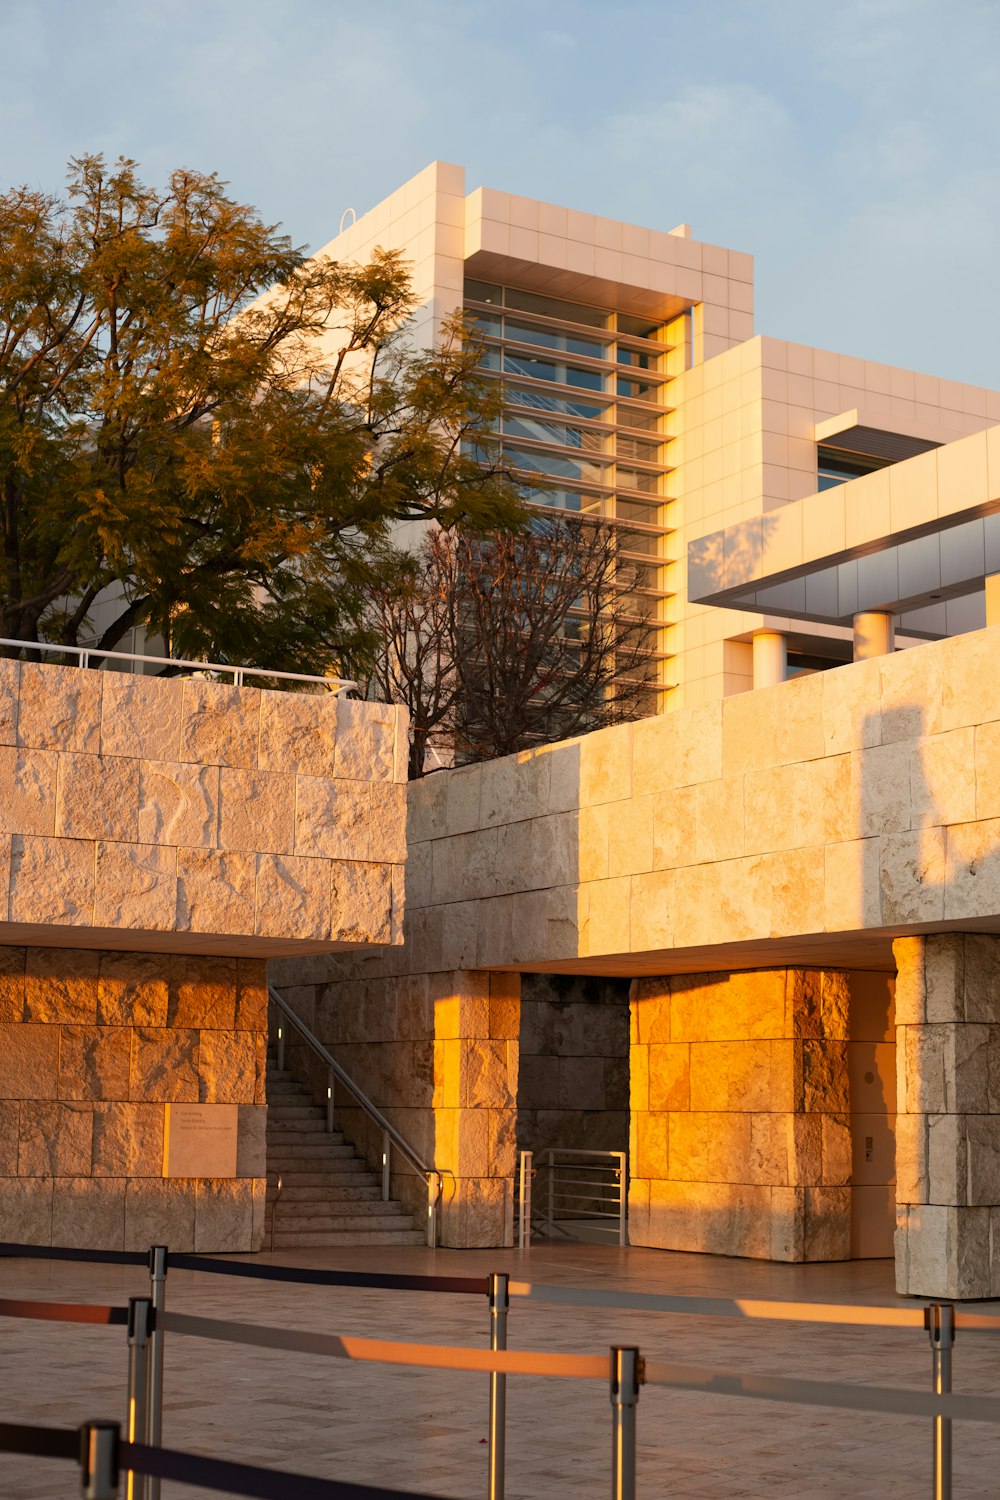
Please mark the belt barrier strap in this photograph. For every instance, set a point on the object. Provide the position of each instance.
(58, 1252)
(40, 1442)
(63, 1312)
(724, 1307)
(247, 1479)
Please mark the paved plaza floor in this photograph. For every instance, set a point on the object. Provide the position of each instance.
(424, 1431)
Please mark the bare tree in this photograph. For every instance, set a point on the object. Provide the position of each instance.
(505, 641)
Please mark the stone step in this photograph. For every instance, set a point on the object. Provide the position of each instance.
(303, 1112)
(304, 1130)
(301, 1177)
(285, 1142)
(330, 1216)
(344, 1192)
(370, 1235)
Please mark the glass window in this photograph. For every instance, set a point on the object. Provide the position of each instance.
(485, 322)
(489, 359)
(559, 467)
(639, 359)
(552, 307)
(563, 500)
(637, 390)
(547, 338)
(647, 421)
(637, 479)
(483, 291)
(640, 328)
(645, 543)
(636, 510)
(646, 449)
(837, 466)
(540, 369)
(542, 401)
(552, 432)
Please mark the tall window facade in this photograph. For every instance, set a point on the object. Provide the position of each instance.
(585, 401)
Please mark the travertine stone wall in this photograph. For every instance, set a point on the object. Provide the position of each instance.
(93, 1045)
(140, 812)
(948, 1121)
(573, 1078)
(741, 1139)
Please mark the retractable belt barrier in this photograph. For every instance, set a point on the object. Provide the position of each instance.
(148, 1321)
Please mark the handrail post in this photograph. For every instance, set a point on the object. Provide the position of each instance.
(99, 1459)
(281, 1046)
(939, 1320)
(499, 1305)
(622, 1199)
(154, 1421)
(140, 1321)
(625, 1369)
(433, 1198)
(329, 1101)
(385, 1166)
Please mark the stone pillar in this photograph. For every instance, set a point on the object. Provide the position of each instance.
(770, 658)
(476, 1027)
(740, 1141)
(948, 1120)
(993, 599)
(874, 634)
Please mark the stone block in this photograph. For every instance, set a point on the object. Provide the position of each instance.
(758, 1075)
(912, 1166)
(943, 1251)
(748, 739)
(98, 798)
(973, 862)
(216, 891)
(251, 995)
(227, 1068)
(141, 717)
(987, 772)
(219, 724)
(259, 1213)
(11, 985)
(502, 1131)
(651, 911)
(837, 1149)
(60, 985)
(223, 1221)
(581, 1083)
(366, 741)
(767, 1157)
(294, 897)
(52, 881)
(298, 732)
(630, 836)
(160, 1213)
(944, 1069)
(818, 1002)
(89, 1212)
(9, 1127)
(28, 791)
(827, 1224)
(725, 1007)
(606, 766)
(54, 1140)
(128, 1140)
(426, 809)
(202, 992)
(59, 708)
(679, 751)
(462, 800)
(164, 1065)
(674, 828)
(773, 809)
(26, 1209)
(853, 893)
(333, 818)
(709, 1147)
(884, 777)
(977, 982)
(910, 995)
(669, 1076)
(649, 1154)
(787, 1223)
(716, 1217)
(387, 829)
(520, 786)
(94, 1062)
(29, 1061)
(256, 811)
(943, 779)
(719, 821)
(178, 804)
(488, 1074)
(136, 887)
(505, 1006)
(10, 682)
(132, 989)
(639, 1078)
(251, 1141)
(824, 1086)
(798, 892)
(361, 896)
(913, 876)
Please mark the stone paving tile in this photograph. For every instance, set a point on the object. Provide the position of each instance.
(424, 1431)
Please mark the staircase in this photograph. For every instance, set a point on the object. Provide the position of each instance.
(330, 1196)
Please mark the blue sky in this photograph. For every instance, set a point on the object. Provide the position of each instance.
(852, 147)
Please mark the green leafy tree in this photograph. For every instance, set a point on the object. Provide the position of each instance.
(209, 434)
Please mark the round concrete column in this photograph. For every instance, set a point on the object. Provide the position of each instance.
(874, 634)
(770, 658)
(993, 599)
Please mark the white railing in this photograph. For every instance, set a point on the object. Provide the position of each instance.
(569, 1194)
(83, 655)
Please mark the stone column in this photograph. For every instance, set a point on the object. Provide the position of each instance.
(948, 1120)
(770, 658)
(740, 1141)
(874, 634)
(476, 1027)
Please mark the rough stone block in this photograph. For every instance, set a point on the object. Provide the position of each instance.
(674, 828)
(164, 1065)
(913, 875)
(223, 1221)
(9, 1127)
(294, 897)
(29, 1061)
(488, 1074)
(362, 902)
(606, 766)
(251, 1141)
(26, 1209)
(141, 717)
(912, 1166)
(54, 1140)
(136, 887)
(719, 1218)
(52, 881)
(10, 682)
(758, 1075)
(767, 1157)
(219, 724)
(708, 1147)
(259, 1213)
(132, 989)
(60, 985)
(128, 1140)
(943, 1251)
(202, 992)
(976, 980)
(651, 911)
(178, 804)
(837, 1149)
(630, 838)
(251, 995)
(160, 1213)
(298, 732)
(388, 823)
(669, 1076)
(256, 811)
(462, 800)
(824, 1085)
(426, 809)
(818, 1004)
(88, 1213)
(827, 1224)
(973, 888)
(366, 741)
(11, 985)
(27, 791)
(227, 1068)
(94, 1062)
(59, 708)
(98, 798)
(216, 891)
(333, 818)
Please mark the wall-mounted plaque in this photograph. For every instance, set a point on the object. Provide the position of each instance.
(199, 1140)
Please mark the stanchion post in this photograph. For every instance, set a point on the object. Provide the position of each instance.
(154, 1421)
(329, 1102)
(499, 1304)
(140, 1320)
(939, 1320)
(386, 1166)
(625, 1369)
(524, 1226)
(99, 1459)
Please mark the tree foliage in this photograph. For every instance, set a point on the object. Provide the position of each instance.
(499, 643)
(209, 433)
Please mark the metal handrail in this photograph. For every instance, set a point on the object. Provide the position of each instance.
(390, 1134)
(84, 653)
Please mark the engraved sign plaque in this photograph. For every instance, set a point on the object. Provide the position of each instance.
(199, 1140)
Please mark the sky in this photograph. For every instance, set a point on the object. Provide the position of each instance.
(851, 147)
